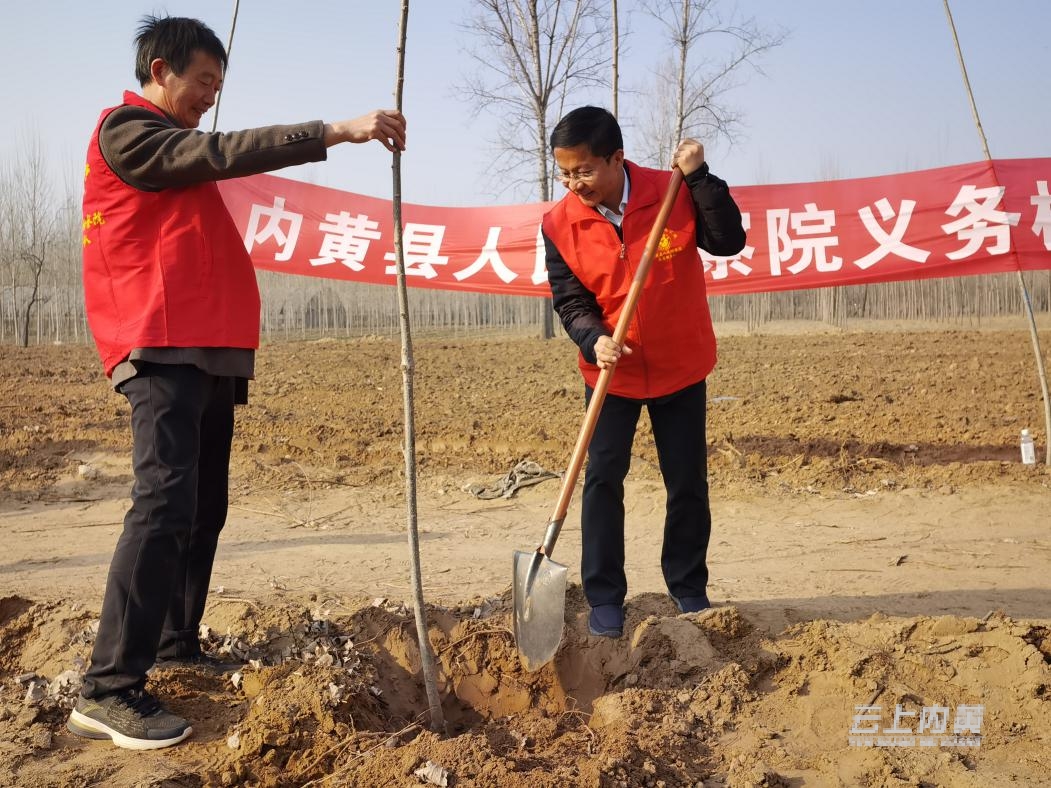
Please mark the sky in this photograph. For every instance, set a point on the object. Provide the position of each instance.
(857, 89)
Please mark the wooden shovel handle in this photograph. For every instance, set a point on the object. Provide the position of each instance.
(598, 396)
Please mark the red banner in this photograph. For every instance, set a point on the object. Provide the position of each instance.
(982, 218)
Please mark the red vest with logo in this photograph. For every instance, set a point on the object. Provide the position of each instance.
(162, 269)
(671, 336)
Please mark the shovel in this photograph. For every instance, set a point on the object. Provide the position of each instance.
(538, 591)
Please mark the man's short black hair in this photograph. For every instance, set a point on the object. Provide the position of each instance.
(591, 126)
(173, 39)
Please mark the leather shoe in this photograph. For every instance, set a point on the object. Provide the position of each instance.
(606, 621)
(691, 604)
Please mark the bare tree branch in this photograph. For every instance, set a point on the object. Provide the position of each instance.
(690, 90)
(531, 54)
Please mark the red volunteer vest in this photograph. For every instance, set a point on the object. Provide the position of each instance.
(162, 269)
(671, 336)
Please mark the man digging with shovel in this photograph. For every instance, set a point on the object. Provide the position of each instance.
(594, 237)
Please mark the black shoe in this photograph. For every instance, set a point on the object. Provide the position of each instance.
(198, 662)
(691, 604)
(132, 719)
(606, 621)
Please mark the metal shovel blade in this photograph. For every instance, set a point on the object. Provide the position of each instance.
(538, 596)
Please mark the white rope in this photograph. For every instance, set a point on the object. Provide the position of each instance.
(525, 474)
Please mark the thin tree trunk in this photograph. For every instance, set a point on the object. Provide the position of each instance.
(684, 49)
(426, 655)
(32, 302)
(547, 326)
(229, 49)
(616, 58)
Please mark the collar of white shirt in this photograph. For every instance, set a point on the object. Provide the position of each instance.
(617, 218)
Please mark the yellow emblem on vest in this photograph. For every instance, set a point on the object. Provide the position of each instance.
(91, 220)
(666, 247)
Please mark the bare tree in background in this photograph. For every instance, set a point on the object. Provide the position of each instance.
(28, 231)
(8, 289)
(831, 301)
(689, 98)
(532, 54)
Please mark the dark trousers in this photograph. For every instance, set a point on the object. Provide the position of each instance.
(182, 425)
(679, 433)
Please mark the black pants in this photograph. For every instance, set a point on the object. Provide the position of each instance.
(182, 425)
(679, 432)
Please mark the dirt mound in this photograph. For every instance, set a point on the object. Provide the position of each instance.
(699, 699)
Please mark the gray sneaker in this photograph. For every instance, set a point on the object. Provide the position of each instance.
(132, 719)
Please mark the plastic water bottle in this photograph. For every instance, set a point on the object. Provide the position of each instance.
(1028, 450)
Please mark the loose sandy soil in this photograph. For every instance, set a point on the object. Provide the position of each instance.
(876, 543)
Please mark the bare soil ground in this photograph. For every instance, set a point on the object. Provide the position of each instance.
(876, 542)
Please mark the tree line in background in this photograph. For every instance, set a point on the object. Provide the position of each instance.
(536, 59)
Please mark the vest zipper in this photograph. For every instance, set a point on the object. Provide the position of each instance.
(639, 353)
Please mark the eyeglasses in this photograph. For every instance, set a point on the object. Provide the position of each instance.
(581, 176)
